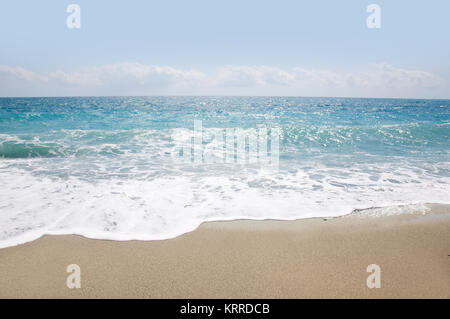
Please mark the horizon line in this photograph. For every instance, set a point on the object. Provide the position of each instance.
(213, 95)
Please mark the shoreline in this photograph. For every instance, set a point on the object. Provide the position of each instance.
(370, 212)
(306, 258)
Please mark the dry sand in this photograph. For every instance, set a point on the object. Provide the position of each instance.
(312, 258)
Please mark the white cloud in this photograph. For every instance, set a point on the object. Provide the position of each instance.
(140, 73)
(129, 78)
(232, 76)
(377, 76)
(20, 73)
(386, 76)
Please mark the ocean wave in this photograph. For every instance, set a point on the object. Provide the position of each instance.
(104, 167)
(385, 139)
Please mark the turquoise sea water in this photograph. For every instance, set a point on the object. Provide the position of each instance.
(104, 167)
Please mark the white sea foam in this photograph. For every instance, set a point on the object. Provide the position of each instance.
(151, 207)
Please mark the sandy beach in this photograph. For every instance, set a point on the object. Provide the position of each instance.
(311, 258)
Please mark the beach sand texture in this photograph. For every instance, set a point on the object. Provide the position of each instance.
(312, 258)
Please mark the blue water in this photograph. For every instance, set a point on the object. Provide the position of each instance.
(104, 167)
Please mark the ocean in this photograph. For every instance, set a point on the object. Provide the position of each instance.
(125, 168)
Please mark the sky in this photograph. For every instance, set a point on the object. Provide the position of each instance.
(210, 47)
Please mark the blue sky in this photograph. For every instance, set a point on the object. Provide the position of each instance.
(284, 47)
